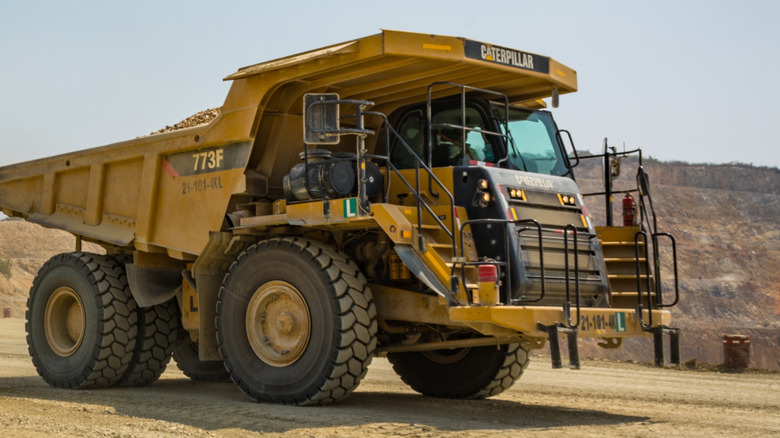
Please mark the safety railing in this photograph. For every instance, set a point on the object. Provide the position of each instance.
(464, 89)
(363, 156)
(415, 190)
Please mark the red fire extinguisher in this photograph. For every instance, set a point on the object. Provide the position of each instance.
(629, 211)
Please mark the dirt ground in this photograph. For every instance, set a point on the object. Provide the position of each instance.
(602, 399)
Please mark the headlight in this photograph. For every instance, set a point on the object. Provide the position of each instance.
(568, 200)
(516, 194)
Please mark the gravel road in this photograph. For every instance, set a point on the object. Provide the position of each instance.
(602, 399)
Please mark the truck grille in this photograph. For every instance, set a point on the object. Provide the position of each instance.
(589, 268)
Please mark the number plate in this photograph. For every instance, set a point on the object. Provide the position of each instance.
(603, 323)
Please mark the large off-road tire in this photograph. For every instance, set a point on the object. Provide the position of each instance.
(81, 321)
(296, 322)
(475, 372)
(157, 330)
(186, 357)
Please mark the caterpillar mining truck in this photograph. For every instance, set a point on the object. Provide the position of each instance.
(400, 194)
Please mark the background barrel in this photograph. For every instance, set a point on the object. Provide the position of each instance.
(736, 351)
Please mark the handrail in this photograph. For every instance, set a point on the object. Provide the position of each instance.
(639, 306)
(416, 190)
(567, 305)
(650, 223)
(464, 128)
(614, 154)
(559, 137)
(674, 261)
(643, 186)
(541, 260)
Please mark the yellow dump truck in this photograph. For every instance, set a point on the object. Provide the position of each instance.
(400, 194)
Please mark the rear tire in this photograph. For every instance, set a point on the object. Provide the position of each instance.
(186, 357)
(475, 372)
(157, 328)
(296, 323)
(81, 321)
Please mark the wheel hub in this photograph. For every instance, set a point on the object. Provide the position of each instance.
(64, 321)
(285, 323)
(278, 324)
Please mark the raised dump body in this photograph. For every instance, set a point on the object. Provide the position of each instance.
(290, 254)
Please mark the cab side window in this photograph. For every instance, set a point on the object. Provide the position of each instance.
(411, 130)
(448, 142)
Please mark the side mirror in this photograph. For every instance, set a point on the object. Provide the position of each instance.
(321, 118)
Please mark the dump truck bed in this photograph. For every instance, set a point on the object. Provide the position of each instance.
(166, 192)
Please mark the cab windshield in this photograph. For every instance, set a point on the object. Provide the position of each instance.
(533, 145)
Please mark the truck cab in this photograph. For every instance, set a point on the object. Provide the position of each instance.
(512, 166)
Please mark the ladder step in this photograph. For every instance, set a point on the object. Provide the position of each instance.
(626, 276)
(624, 260)
(620, 243)
(468, 267)
(629, 294)
(584, 279)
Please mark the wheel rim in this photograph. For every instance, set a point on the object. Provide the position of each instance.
(64, 321)
(278, 324)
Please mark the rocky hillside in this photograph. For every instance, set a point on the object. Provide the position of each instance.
(725, 219)
(24, 247)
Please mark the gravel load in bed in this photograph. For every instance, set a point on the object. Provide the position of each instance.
(200, 118)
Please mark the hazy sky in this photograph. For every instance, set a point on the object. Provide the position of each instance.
(697, 81)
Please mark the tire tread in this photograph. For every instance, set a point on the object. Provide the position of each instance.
(116, 322)
(357, 317)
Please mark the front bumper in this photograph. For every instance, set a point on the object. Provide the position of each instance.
(593, 322)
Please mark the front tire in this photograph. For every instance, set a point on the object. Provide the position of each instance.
(81, 321)
(187, 359)
(475, 372)
(296, 323)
